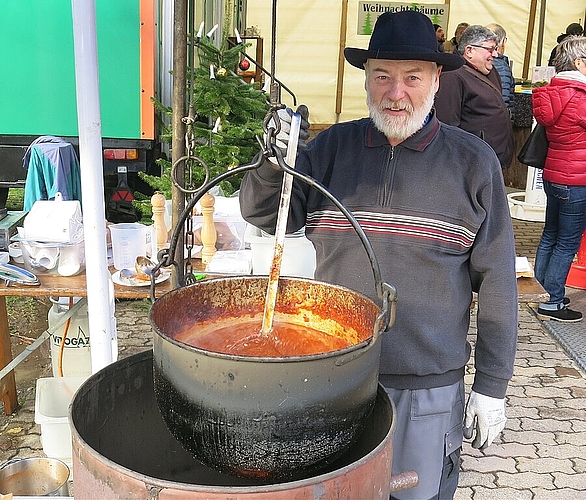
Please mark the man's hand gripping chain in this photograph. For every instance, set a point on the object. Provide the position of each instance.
(277, 127)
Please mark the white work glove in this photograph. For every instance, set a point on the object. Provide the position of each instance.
(485, 419)
(282, 138)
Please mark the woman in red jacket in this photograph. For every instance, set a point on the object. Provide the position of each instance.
(561, 108)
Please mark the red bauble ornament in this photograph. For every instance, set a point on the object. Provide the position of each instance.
(244, 64)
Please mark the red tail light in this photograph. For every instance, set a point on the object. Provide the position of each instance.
(121, 154)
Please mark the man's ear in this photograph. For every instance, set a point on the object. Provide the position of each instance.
(437, 80)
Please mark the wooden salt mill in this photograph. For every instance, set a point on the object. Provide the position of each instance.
(158, 201)
(208, 230)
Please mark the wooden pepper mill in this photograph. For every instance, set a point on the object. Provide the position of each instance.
(208, 230)
(160, 228)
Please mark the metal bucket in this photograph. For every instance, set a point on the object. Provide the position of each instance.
(34, 477)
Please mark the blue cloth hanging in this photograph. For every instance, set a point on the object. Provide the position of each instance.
(52, 167)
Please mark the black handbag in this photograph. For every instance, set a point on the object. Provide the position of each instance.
(534, 151)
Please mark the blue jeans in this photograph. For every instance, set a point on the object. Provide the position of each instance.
(565, 221)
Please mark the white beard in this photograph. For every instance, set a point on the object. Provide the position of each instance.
(400, 127)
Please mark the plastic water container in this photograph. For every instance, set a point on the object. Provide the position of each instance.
(52, 398)
(129, 240)
(77, 361)
(298, 253)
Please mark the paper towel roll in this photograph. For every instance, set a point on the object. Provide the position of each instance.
(70, 260)
(47, 257)
(16, 252)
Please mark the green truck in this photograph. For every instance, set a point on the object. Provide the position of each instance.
(38, 95)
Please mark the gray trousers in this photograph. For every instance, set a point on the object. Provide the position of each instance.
(428, 439)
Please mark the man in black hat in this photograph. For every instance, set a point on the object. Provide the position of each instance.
(431, 200)
(572, 29)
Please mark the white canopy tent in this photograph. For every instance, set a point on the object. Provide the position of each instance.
(311, 35)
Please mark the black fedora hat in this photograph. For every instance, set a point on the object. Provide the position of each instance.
(405, 35)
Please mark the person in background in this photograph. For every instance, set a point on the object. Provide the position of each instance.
(436, 246)
(572, 29)
(440, 34)
(471, 97)
(560, 107)
(502, 64)
(451, 45)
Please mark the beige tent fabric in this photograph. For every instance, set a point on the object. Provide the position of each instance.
(308, 43)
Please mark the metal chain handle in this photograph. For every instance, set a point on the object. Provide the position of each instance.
(190, 162)
(190, 159)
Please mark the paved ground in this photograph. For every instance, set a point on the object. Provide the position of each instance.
(540, 456)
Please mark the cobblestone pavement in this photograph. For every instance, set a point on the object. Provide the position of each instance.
(541, 454)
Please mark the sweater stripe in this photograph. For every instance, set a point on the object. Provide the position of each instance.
(402, 225)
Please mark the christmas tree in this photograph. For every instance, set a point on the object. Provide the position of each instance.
(229, 115)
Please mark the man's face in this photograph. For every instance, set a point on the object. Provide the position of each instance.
(440, 35)
(481, 55)
(400, 95)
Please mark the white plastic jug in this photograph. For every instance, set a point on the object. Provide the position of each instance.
(129, 240)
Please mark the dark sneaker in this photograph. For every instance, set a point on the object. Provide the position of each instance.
(566, 301)
(564, 315)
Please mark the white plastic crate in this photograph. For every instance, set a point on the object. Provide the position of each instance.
(52, 399)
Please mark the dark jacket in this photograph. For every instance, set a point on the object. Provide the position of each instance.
(435, 211)
(466, 100)
(501, 64)
(560, 107)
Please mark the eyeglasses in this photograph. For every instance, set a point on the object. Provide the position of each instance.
(490, 49)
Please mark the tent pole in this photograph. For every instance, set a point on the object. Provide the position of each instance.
(100, 289)
(179, 100)
(529, 42)
(542, 12)
(340, 77)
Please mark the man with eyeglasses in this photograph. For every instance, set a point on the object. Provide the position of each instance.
(471, 97)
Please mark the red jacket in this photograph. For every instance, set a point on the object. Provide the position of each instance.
(561, 108)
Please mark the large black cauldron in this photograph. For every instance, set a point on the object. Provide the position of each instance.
(271, 418)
